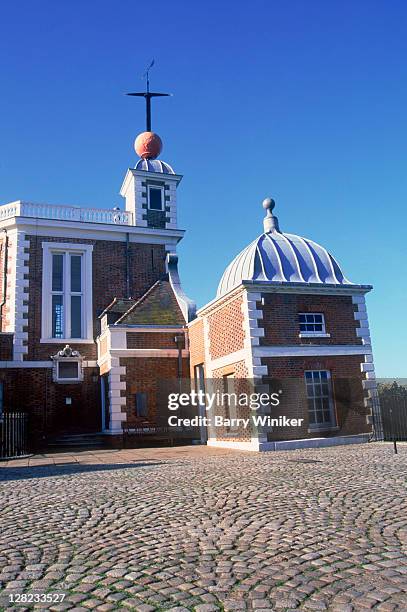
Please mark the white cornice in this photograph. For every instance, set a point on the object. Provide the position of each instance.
(219, 302)
(93, 231)
(146, 328)
(314, 350)
(161, 176)
(317, 288)
(273, 287)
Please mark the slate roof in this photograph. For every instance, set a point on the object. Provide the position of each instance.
(158, 306)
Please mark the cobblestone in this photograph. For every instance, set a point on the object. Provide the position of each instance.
(197, 529)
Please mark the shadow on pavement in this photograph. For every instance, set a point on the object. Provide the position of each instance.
(63, 469)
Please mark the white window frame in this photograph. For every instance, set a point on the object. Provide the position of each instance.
(61, 379)
(231, 410)
(313, 334)
(67, 355)
(161, 188)
(66, 248)
(323, 426)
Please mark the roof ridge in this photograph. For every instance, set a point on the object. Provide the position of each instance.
(114, 301)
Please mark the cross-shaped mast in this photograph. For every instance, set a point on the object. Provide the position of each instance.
(148, 95)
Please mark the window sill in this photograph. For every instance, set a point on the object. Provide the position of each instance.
(67, 341)
(313, 335)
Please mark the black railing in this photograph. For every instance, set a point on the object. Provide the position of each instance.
(13, 435)
(390, 412)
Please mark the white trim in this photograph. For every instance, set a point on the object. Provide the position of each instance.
(117, 339)
(26, 364)
(159, 188)
(298, 288)
(253, 332)
(103, 402)
(61, 380)
(116, 401)
(305, 333)
(151, 328)
(318, 427)
(231, 358)
(66, 341)
(131, 173)
(18, 284)
(105, 359)
(320, 350)
(57, 212)
(93, 231)
(313, 335)
(218, 303)
(369, 384)
(207, 348)
(253, 445)
(38, 364)
(87, 290)
(285, 445)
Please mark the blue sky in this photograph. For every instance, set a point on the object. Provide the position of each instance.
(302, 101)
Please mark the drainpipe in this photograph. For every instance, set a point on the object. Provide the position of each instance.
(179, 340)
(128, 264)
(4, 292)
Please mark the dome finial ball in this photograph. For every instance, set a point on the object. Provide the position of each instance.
(148, 145)
(269, 204)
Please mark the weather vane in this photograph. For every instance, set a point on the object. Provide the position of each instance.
(148, 95)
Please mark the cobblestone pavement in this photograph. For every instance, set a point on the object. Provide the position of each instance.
(194, 529)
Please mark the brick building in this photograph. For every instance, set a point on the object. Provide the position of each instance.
(91, 308)
(93, 318)
(285, 316)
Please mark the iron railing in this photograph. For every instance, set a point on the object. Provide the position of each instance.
(389, 409)
(13, 435)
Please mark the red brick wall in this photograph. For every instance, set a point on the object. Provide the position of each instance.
(33, 391)
(196, 344)
(6, 347)
(144, 375)
(281, 325)
(239, 371)
(155, 340)
(146, 266)
(226, 333)
(348, 392)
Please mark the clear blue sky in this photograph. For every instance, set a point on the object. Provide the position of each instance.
(303, 101)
